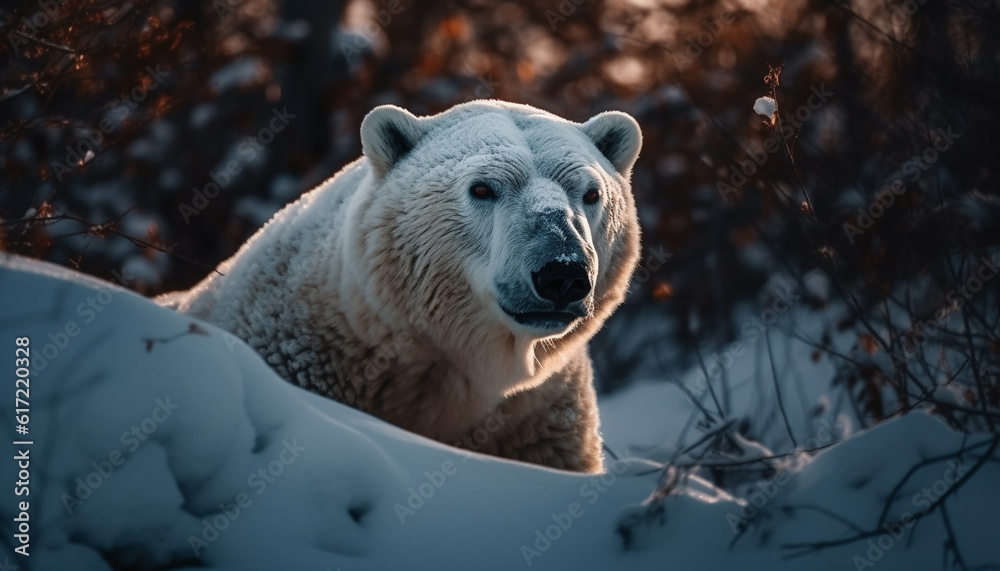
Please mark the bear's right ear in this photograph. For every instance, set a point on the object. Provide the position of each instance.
(388, 133)
(617, 136)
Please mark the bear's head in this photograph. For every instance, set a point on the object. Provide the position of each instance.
(500, 235)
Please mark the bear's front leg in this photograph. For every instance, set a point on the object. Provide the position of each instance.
(555, 424)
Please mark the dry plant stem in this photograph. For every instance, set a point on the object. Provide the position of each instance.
(108, 226)
(761, 459)
(804, 548)
(708, 383)
(952, 543)
(687, 392)
(827, 512)
(777, 390)
(788, 150)
(976, 372)
(705, 437)
(926, 397)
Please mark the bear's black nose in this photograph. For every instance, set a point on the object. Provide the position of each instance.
(562, 283)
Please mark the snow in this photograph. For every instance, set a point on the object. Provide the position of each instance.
(293, 31)
(255, 209)
(284, 188)
(764, 106)
(240, 73)
(237, 469)
(201, 114)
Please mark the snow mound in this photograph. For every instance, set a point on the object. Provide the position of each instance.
(161, 442)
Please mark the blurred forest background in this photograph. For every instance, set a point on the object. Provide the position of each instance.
(121, 123)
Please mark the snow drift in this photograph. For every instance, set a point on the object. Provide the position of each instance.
(160, 442)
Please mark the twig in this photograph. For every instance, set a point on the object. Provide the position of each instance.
(109, 226)
(827, 512)
(772, 79)
(708, 382)
(804, 547)
(710, 434)
(913, 470)
(977, 374)
(193, 329)
(36, 39)
(694, 400)
(777, 390)
(952, 543)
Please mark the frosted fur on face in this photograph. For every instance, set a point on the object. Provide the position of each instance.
(454, 272)
(536, 163)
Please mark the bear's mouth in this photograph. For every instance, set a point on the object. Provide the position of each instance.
(547, 320)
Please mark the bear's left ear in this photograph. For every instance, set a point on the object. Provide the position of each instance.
(617, 136)
(388, 133)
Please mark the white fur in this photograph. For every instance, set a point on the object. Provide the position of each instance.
(381, 287)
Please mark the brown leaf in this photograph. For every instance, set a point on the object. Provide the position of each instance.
(663, 291)
(45, 210)
(868, 343)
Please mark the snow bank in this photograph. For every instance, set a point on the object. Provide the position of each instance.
(159, 442)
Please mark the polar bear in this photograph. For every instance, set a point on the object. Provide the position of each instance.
(449, 280)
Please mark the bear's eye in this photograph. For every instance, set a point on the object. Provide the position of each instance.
(591, 196)
(482, 191)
